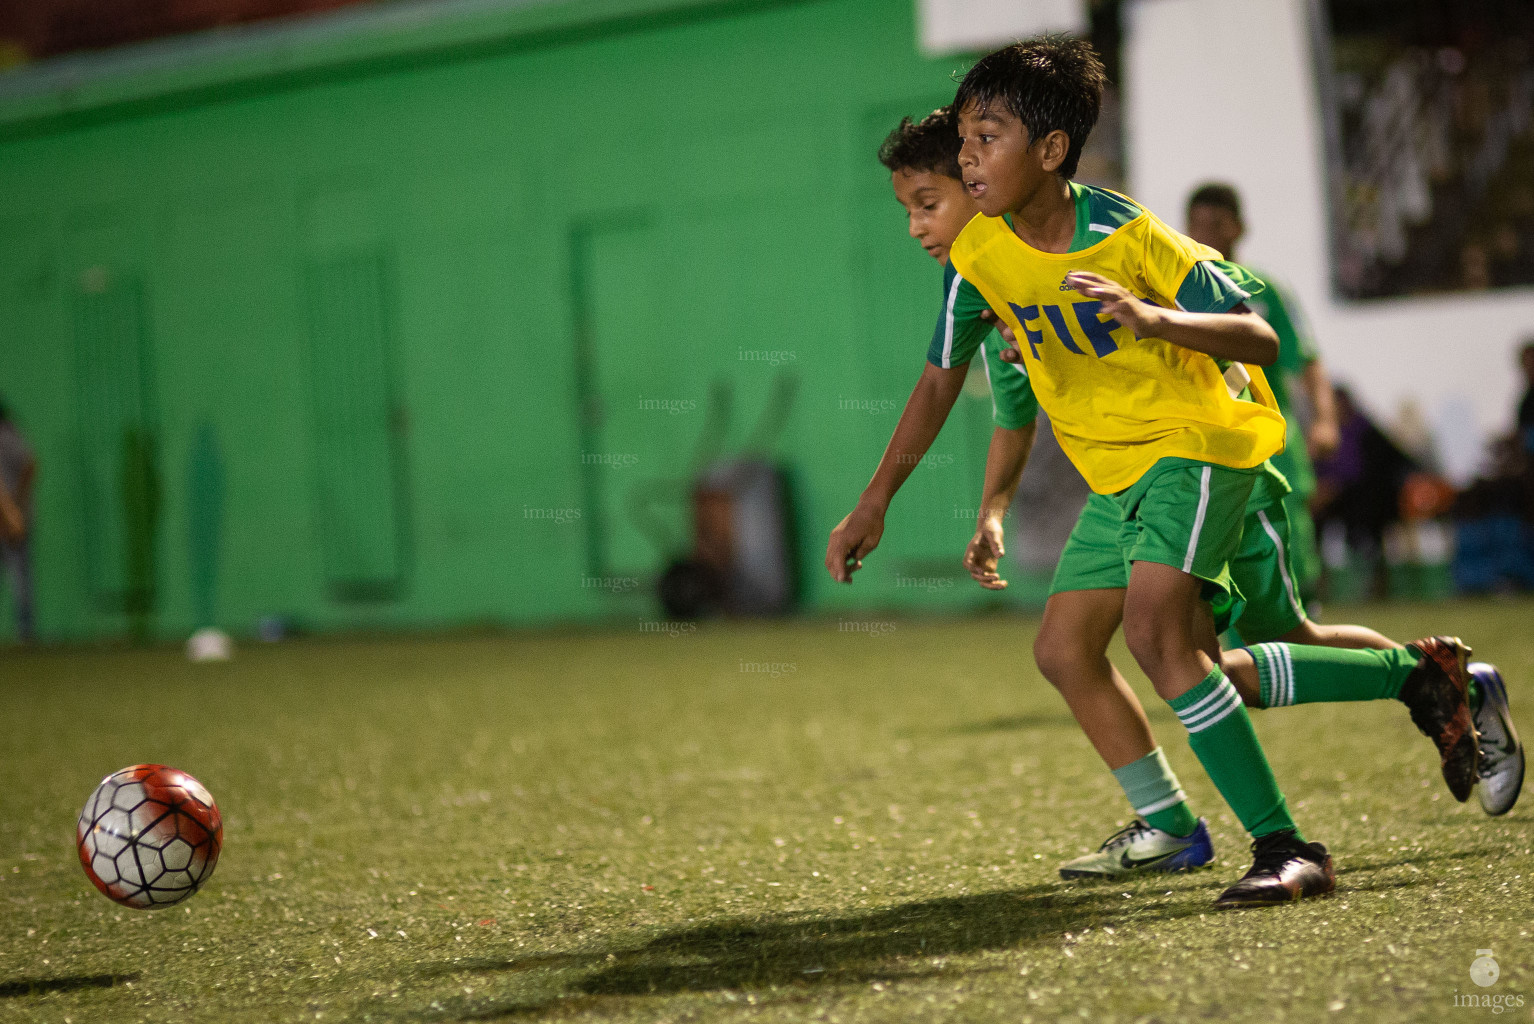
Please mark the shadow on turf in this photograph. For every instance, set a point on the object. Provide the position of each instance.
(890, 944)
(38, 986)
(1016, 723)
(1345, 868)
(893, 943)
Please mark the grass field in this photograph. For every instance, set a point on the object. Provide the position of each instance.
(775, 822)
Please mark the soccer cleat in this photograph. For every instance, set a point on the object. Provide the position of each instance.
(1436, 693)
(1139, 849)
(1501, 752)
(1283, 870)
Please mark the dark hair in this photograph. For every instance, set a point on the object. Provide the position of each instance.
(931, 144)
(5, 412)
(1217, 194)
(1052, 83)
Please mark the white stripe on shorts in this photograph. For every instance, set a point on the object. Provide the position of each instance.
(1198, 518)
(1283, 564)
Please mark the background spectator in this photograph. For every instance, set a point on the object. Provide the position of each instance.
(1494, 516)
(1359, 486)
(1526, 406)
(18, 471)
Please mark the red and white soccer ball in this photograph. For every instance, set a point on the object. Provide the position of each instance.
(149, 836)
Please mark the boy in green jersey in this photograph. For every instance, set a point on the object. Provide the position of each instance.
(1285, 867)
(1214, 218)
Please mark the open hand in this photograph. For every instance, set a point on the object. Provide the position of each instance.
(854, 537)
(1139, 316)
(983, 551)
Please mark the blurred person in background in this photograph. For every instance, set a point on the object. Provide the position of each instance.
(1526, 405)
(1494, 515)
(1359, 485)
(1214, 218)
(18, 471)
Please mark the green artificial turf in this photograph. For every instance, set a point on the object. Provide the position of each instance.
(776, 822)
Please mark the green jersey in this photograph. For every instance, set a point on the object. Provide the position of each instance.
(1296, 351)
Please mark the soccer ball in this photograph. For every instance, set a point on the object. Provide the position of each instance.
(149, 836)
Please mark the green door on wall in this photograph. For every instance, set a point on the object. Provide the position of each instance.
(115, 423)
(357, 460)
(118, 478)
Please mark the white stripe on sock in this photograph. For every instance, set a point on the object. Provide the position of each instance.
(1288, 675)
(1217, 716)
(1205, 709)
(1278, 672)
(1161, 805)
(1280, 678)
(1205, 701)
(1198, 518)
(1265, 681)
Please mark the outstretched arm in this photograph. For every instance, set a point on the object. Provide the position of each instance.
(1239, 335)
(925, 412)
(1004, 464)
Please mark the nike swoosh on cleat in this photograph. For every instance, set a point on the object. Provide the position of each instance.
(1129, 863)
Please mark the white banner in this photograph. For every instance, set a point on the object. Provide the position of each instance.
(966, 26)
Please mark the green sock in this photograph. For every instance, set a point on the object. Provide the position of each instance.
(1156, 795)
(1220, 733)
(1298, 674)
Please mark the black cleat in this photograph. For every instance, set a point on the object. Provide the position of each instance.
(1283, 870)
(1436, 693)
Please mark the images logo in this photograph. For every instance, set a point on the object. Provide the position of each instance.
(1484, 970)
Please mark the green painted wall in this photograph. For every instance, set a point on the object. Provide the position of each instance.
(359, 296)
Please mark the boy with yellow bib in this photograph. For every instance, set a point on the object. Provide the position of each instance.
(1087, 595)
(1150, 413)
(1151, 417)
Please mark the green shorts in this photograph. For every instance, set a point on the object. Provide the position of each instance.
(1091, 559)
(1264, 572)
(1189, 515)
(1260, 586)
(1304, 551)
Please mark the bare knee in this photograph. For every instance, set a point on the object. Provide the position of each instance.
(1240, 668)
(1164, 653)
(1062, 658)
(1149, 641)
(1071, 647)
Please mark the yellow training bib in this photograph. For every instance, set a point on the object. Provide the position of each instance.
(1118, 403)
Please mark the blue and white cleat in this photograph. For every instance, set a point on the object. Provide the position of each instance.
(1502, 761)
(1138, 849)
